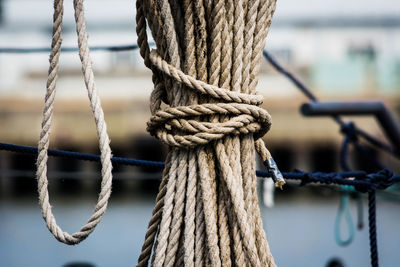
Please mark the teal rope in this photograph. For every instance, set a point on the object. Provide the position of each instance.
(344, 211)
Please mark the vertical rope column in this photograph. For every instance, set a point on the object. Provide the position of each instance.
(200, 32)
(206, 54)
(265, 11)
(189, 41)
(213, 21)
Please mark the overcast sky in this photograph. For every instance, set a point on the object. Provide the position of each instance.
(106, 11)
(318, 8)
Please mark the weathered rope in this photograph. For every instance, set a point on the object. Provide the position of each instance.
(43, 145)
(372, 229)
(205, 68)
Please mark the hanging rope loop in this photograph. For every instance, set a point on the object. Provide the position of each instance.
(344, 213)
(41, 174)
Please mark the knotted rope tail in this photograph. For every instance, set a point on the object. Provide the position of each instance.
(205, 69)
(101, 127)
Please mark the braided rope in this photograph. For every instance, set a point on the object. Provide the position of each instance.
(44, 141)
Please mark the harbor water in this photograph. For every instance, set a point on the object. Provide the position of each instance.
(300, 230)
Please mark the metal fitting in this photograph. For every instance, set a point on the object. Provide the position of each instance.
(274, 172)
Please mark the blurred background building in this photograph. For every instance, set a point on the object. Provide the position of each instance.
(345, 50)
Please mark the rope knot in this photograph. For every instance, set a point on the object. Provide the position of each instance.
(306, 177)
(189, 126)
(349, 129)
(382, 179)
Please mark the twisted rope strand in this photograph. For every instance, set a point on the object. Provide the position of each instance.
(190, 205)
(202, 257)
(265, 10)
(162, 238)
(101, 128)
(205, 64)
(208, 185)
(156, 218)
(200, 86)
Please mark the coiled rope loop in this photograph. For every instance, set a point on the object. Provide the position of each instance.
(173, 126)
(101, 127)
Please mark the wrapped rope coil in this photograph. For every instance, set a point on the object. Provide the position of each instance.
(205, 69)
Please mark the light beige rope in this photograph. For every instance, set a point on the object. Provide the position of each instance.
(101, 127)
(202, 87)
(205, 68)
(202, 256)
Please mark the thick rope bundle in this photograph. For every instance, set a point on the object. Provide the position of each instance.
(205, 68)
(101, 127)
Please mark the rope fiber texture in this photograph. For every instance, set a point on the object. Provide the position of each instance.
(205, 69)
(101, 206)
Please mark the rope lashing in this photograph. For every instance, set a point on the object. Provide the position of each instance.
(243, 109)
(245, 119)
(205, 68)
(248, 118)
(101, 127)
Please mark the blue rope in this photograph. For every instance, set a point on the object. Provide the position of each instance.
(351, 133)
(352, 137)
(343, 153)
(307, 92)
(360, 212)
(373, 244)
(82, 156)
(344, 211)
(360, 180)
(115, 48)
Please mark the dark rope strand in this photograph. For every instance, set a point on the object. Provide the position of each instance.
(308, 93)
(361, 180)
(82, 156)
(115, 48)
(372, 228)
